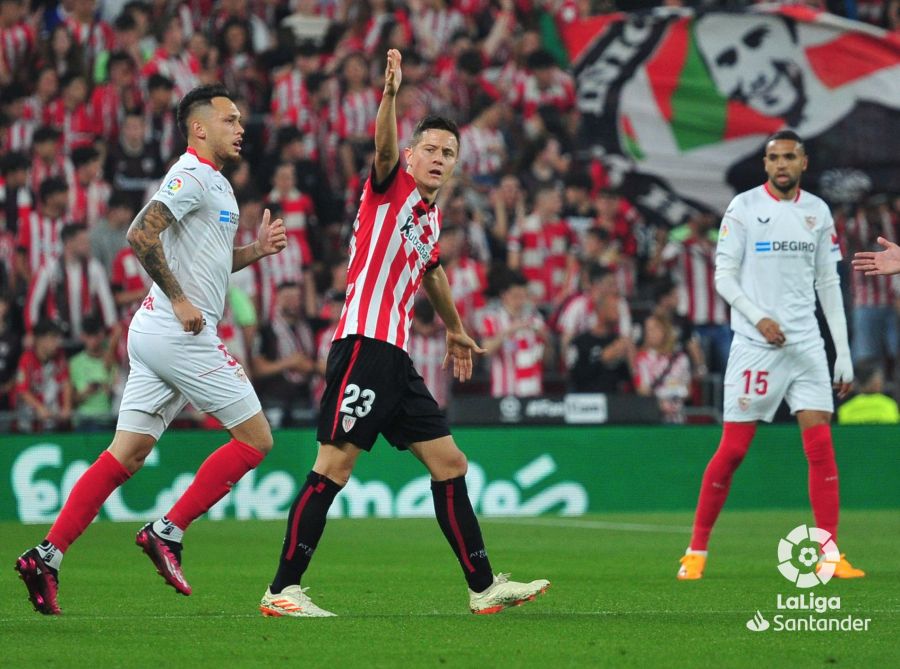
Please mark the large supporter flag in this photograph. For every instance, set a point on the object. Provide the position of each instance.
(677, 103)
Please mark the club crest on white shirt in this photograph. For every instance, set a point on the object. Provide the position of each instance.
(810, 222)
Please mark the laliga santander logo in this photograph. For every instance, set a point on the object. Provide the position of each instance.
(798, 556)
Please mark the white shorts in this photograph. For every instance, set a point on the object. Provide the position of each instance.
(758, 377)
(170, 370)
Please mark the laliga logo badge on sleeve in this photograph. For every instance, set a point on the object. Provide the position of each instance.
(174, 185)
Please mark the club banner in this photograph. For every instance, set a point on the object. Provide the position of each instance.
(676, 104)
(513, 471)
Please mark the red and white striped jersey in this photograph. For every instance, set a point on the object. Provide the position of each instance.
(45, 380)
(87, 205)
(395, 240)
(289, 95)
(358, 111)
(433, 29)
(544, 252)
(483, 150)
(692, 266)
(16, 46)
(296, 208)
(427, 355)
(183, 69)
(40, 171)
(68, 292)
(17, 137)
(92, 37)
(129, 275)
(272, 271)
(468, 281)
(527, 97)
(578, 315)
(76, 124)
(39, 238)
(861, 232)
(517, 368)
(24, 206)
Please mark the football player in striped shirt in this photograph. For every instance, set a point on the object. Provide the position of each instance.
(372, 386)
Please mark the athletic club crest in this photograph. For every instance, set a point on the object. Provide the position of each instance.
(348, 422)
(810, 222)
(743, 403)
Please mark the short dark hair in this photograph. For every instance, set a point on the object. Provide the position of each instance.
(120, 199)
(865, 370)
(45, 133)
(119, 57)
(45, 326)
(83, 155)
(51, 186)
(12, 161)
(93, 325)
(432, 122)
(786, 134)
(540, 59)
(157, 80)
(70, 230)
(198, 97)
(124, 21)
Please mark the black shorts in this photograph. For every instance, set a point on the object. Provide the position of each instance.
(370, 387)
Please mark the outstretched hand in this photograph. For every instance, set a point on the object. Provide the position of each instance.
(272, 237)
(874, 263)
(392, 73)
(459, 349)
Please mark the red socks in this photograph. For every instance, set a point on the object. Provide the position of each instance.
(823, 477)
(736, 438)
(86, 498)
(214, 479)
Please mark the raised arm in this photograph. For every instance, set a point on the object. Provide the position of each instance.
(143, 236)
(387, 152)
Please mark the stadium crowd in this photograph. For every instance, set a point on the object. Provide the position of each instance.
(563, 281)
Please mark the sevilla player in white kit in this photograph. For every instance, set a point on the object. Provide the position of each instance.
(371, 384)
(184, 238)
(777, 250)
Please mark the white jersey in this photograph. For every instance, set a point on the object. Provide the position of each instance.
(780, 246)
(199, 247)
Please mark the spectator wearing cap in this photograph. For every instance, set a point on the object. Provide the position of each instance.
(133, 165)
(15, 196)
(283, 359)
(70, 288)
(39, 238)
(43, 394)
(18, 129)
(160, 119)
(110, 100)
(88, 192)
(93, 374)
(108, 234)
(47, 157)
(70, 112)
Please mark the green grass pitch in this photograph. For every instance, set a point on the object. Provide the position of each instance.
(401, 599)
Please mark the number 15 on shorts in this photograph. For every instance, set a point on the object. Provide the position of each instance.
(756, 380)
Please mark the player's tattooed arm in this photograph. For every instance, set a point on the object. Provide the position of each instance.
(143, 236)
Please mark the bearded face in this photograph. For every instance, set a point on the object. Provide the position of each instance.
(752, 59)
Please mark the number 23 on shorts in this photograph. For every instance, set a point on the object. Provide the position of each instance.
(362, 398)
(760, 383)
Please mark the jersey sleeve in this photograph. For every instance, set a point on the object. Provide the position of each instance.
(828, 250)
(181, 192)
(732, 234)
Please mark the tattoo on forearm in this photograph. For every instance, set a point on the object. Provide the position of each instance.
(143, 235)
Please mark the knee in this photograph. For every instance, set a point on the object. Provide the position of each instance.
(451, 465)
(264, 442)
(130, 456)
(339, 472)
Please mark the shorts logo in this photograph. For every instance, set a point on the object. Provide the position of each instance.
(348, 422)
(743, 403)
(175, 184)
